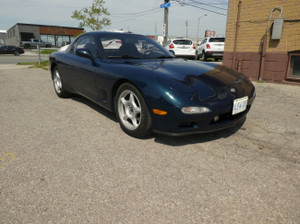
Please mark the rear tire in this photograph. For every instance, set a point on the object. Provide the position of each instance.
(58, 84)
(132, 111)
(16, 53)
(203, 56)
(197, 56)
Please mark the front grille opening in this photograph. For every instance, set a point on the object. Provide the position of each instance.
(186, 125)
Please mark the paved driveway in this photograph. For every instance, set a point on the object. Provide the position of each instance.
(67, 161)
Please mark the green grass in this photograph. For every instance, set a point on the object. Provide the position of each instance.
(44, 64)
(48, 51)
(261, 81)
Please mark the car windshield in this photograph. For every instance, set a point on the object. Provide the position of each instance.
(131, 46)
(183, 42)
(216, 39)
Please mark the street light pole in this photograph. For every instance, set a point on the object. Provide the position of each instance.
(166, 23)
(198, 28)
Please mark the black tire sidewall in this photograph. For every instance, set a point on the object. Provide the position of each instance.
(145, 127)
(204, 57)
(63, 93)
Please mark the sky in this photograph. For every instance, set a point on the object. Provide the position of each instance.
(143, 17)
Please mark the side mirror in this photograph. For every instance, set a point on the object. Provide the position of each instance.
(85, 53)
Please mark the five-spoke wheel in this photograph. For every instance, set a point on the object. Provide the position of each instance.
(132, 111)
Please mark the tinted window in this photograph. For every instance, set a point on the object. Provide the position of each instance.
(120, 45)
(217, 40)
(87, 42)
(183, 42)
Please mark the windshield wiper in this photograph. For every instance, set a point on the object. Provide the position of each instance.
(163, 57)
(124, 57)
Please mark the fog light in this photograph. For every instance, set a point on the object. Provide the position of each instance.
(195, 110)
(216, 118)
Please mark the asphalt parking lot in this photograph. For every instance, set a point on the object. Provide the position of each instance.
(67, 161)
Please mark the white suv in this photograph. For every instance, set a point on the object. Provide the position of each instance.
(182, 48)
(211, 47)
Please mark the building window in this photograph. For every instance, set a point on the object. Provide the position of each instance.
(48, 38)
(293, 71)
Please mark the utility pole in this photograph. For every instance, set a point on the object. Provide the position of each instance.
(198, 27)
(166, 23)
(187, 28)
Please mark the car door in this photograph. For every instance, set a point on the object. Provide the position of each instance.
(4, 50)
(11, 49)
(79, 72)
(201, 47)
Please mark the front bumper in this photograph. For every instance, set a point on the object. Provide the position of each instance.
(180, 124)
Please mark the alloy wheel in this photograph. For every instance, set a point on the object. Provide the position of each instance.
(129, 109)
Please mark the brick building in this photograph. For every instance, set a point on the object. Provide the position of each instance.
(263, 39)
(54, 34)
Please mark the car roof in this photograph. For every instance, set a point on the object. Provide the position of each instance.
(214, 37)
(7, 46)
(183, 38)
(97, 32)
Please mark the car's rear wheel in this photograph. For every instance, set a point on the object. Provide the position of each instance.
(16, 53)
(132, 111)
(58, 84)
(197, 56)
(203, 56)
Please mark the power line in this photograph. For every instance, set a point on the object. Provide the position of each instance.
(135, 14)
(149, 11)
(191, 4)
(196, 4)
(210, 5)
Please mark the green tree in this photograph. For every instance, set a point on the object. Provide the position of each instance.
(94, 16)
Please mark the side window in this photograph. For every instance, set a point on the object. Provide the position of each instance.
(111, 45)
(87, 42)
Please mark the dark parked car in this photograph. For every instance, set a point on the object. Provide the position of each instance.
(148, 88)
(8, 49)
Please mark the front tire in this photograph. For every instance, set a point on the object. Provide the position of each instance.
(58, 84)
(132, 111)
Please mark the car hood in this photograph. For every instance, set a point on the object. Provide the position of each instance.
(204, 80)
